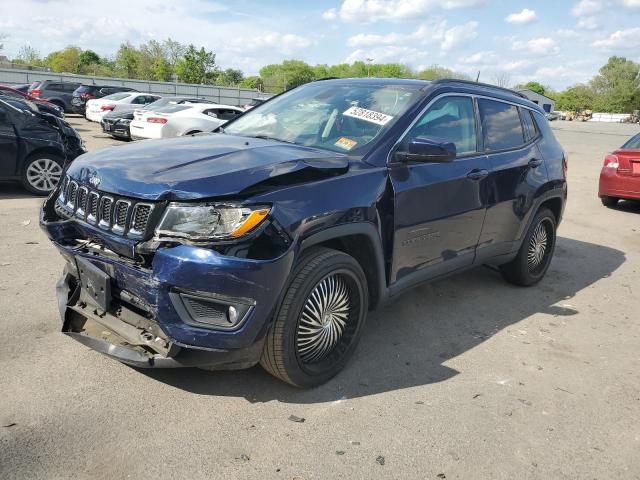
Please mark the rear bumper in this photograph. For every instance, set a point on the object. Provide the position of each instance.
(612, 184)
(146, 305)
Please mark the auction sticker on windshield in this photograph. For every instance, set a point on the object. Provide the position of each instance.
(368, 115)
(346, 143)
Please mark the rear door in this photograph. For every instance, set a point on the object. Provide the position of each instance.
(439, 207)
(8, 144)
(509, 137)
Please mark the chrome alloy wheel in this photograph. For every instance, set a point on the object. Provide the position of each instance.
(324, 319)
(44, 174)
(538, 247)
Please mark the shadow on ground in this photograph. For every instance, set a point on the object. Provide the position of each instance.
(407, 342)
(13, 190)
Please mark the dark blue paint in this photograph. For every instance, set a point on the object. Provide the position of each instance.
(427, 219)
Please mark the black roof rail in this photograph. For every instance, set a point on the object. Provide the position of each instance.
(327, 78)
(480, 84)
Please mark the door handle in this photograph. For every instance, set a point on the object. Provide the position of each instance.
(534, 163)
(477, 174)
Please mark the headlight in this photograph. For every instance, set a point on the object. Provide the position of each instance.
(124, 121)
(209, 222)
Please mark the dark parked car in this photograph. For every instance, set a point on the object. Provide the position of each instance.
(270, 241)
(87, 92)
(43, 106)
(35, 147)
(56, 92)
(117, 122)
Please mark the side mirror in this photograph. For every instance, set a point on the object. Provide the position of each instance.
(428, 149)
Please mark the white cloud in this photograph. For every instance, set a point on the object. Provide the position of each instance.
(621, 39)
(522, 18)
(588, 7)
(540, 46)
(566, 33)
(588, 23)
(457, 35)
(434, 33)
(367, 11)
(330, 14)
(631, 3)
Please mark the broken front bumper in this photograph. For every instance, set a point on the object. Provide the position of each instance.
(171, 314)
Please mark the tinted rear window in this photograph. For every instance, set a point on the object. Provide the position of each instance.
(632, 144)
(86, 88)
(501, 126)
(117, 96)
(172, 108)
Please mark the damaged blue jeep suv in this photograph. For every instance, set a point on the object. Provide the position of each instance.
(270, 240)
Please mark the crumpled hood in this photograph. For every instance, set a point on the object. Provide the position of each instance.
(189, 168)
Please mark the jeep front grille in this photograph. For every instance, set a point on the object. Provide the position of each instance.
(122, 216)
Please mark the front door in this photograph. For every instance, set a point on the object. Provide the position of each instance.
(439, 207)
(8, 144)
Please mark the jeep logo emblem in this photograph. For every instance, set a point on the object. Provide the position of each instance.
(94, 181)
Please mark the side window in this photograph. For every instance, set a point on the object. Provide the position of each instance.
(71, 87)
(55, 87)
(501, 125)
(212, 112)
(529, 125)
(228, 114)
(140, 100)
(452, 119)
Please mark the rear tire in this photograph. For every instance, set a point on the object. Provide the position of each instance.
(536, 251)
(609, 201)
(41, 173)
(319, 323)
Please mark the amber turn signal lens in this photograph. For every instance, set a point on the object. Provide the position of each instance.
(252, 221)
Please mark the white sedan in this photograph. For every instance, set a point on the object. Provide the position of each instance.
(99, 107)
(181, 119)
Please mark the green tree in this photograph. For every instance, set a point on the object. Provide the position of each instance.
(289, 74)
(535, 87)
(575, 98)
(87, 62)
(434, 72)
(128, 60)
(196, 66)
(617, 87)
(64, 60)
(28, 55)
(230, 77)
(254, 82)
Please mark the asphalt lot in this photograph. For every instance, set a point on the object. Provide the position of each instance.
(468, 377)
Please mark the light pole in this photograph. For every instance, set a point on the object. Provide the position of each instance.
(369, 60)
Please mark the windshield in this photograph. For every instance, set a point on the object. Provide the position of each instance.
(338, 117)
(117, 96)
(633, 143)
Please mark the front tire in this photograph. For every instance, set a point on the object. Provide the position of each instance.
(536, 251)
(319, 322)
(609, 201)
(42, 173)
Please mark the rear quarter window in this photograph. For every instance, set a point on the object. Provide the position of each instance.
(501, 125)
(633, 143)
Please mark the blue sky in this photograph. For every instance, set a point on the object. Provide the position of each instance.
(558, 42)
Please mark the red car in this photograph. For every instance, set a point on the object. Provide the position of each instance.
(43, 105)
(620, 176)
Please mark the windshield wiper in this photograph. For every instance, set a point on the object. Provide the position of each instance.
(267, 137)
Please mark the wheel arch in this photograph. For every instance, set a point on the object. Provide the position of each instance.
(362, 242)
